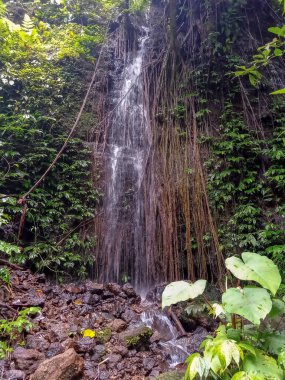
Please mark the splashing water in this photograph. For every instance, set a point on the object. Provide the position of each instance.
(175, 348)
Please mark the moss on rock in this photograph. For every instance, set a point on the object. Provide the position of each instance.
(137, 338)
(104, 335)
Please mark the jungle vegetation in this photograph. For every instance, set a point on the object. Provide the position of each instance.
(48, 53)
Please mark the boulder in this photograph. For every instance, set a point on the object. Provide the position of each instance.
(66, 366)
(118, 325)
(27, 359)
(137, 337)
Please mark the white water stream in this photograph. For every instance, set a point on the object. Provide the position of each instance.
(127, 150)
(174, 347)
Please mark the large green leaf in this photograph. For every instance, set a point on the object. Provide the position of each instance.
(251, 303)
(255, 268)
(196, 365)
(182, 291)
(262, 365)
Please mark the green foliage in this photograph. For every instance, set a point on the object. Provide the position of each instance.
(5, 276)
(138, 5)
(255, 268)
(181, 291)
(11, 331)
(251, 303)
(46, 56)
(243, 350)
(246, 182)
(265, 55)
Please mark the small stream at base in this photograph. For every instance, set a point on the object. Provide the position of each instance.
(176, 348)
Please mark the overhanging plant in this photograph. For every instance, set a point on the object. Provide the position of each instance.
(246, 346)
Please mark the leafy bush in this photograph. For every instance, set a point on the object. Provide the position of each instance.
(11, 331)
(246, 346)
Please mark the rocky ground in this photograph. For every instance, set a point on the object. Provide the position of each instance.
(55, 349)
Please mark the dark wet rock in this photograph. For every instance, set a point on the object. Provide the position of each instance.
(148, 363)
(83, 345)
(91, 299)
(27, 359)
(191, 344)
(155, 294)
(154, 373)
(114, 358)
(71, 288)
(66, 366)
(107, 316)
(104, 375)
(41, 278)
(99, 352)
(118, 325)
(122, 350)
(59, 331)
(114, 288)
(129, 316)
(137, 337)
(155, 337)
(106, 295)
(15, 374)
(29, 301)
(54, 349)
(94, 288)
(37, 341)
(129, 290)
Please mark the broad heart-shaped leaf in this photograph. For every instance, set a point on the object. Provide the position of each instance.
(255, 268)
(262, 365)
(251, 303)
(181, 291)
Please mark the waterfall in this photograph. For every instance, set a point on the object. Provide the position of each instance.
(123, 244)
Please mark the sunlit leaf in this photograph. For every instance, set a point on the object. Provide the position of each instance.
(179, 291)
(255, 268)
(251, 303)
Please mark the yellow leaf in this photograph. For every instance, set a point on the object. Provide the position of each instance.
(88, 333)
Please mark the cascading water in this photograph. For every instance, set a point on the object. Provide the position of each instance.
(175, 347)
(123, 245)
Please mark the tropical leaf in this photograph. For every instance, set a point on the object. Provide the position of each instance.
(251, 303)
(179, 291)
(196, 365)
(262, 365)
(255, 268)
